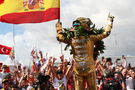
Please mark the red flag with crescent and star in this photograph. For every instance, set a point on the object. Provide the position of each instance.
(5, 50)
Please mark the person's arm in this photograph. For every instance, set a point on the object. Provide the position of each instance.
(69, 70)
(21, 79)
(123, 84)
(15, 78)
(51, 67)
(62, 59)
(107, 30)
(60, 36)
(101, 69)
(64, 65)
(101, 87)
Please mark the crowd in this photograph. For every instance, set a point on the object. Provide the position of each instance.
(45, 74)
(115, 75)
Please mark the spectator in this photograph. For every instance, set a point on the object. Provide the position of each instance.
(109, 82)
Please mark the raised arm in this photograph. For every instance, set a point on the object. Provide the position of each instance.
(51, 67)
(69, 70)
(107, 29)
(60, 36)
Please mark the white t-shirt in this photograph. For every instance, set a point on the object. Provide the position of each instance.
(130, 82)
(57, 83)
(29, 88)
(124, 62)
(2, 75)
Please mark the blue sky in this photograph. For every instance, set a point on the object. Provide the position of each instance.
(5, 28)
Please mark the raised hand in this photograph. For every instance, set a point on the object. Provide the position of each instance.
(110, 18)
(58, 24)
(59, 27)
(54, 59)
(62, 58)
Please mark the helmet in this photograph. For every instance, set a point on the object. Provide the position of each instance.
(84, 20)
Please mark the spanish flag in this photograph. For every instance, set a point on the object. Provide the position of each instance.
(29, 11)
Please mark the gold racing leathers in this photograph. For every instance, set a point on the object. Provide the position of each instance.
(83, 65)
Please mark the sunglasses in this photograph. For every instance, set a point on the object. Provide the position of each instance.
(76, 24)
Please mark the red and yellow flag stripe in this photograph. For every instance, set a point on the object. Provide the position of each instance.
(1, 1)
(29, 11)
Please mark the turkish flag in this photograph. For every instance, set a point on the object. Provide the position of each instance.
(1, 1)
(5, 50)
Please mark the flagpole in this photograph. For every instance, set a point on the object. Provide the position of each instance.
(13, 35)
(59, 11)
(60, 22)
(15, 63)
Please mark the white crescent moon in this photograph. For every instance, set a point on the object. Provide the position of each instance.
(4, 51)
